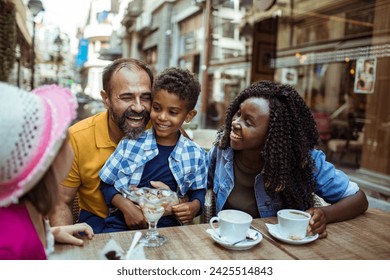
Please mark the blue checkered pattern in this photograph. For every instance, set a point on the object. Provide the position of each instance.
(125, 166)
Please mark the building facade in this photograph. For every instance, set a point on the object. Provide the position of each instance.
(336, 54)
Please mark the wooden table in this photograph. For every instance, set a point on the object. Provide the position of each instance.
(365, 237)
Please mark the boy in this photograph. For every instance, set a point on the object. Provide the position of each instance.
(162, 153)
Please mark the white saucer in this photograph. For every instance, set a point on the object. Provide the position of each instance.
(244, 245)
(274, 231)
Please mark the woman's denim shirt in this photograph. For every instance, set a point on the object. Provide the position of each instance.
(333, 184)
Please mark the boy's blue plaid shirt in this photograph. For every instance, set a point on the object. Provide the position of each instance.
(125, 166)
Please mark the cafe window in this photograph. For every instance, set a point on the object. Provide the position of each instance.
(188, 42)
(191, 34)
(190, 62)
(225, 28)
(227, 4)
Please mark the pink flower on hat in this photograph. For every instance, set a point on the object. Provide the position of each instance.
(32, 129)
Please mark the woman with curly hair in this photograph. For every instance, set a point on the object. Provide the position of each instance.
(265, 159)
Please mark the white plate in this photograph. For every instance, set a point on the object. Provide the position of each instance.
(274, 231)
(244, 245)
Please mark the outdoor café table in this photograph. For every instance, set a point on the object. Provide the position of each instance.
(365, 237)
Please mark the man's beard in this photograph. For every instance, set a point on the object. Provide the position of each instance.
(128, 131)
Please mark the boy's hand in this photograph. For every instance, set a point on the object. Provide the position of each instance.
(132, 213)
(317, 222)
(168, 208)
(159, 185)
(134, 217)
(186, 211)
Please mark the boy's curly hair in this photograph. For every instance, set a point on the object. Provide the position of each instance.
(289, 167)
(180, 82)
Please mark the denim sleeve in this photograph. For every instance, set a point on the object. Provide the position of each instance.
(108, 192)
(333, 184)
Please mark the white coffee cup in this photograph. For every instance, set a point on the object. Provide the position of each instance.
(293, 223)
(233, 225)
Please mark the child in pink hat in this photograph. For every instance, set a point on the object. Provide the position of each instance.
(34, 157)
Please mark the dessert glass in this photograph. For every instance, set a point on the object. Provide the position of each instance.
(153, 203)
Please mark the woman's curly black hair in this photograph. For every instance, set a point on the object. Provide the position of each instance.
(180, 82)
(288, 165)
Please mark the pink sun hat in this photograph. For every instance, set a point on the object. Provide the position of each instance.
(33, 126)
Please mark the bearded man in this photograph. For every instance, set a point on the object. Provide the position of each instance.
(126, 93)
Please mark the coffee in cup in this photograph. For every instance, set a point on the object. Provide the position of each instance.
(293, 223)
(233, 225)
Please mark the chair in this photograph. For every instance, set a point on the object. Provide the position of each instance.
(209, 206)
(353, 142)
(76, 209)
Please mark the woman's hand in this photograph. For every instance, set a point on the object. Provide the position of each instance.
(70, 234)
(317, 222)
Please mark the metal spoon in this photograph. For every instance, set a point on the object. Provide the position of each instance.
(250, 236)
(136, 238)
